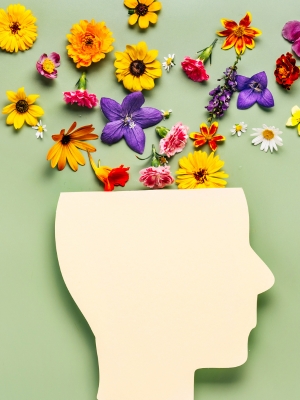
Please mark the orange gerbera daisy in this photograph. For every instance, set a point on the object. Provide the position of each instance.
(239, 35)
(89, 42)
(68, 144)
(207, 134)
(142, 11)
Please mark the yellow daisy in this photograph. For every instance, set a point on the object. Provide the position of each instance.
(142, 11)
(17, 29)
(200, 171)
(22, 109)
(137, 67)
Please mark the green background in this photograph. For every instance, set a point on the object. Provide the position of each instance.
(47, 350)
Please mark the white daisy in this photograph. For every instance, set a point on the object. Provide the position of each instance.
(268, 136)
(239, 128)
(166, 114)
(39, 129)
(169, 62)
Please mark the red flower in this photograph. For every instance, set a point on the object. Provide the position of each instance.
(207, 134)
(194, 69)
(286, 71)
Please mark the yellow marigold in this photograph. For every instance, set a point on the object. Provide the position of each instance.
(142, 11)
(22, 109)
(199, 171)
(137, 67)
(17, 29)
(90, 41)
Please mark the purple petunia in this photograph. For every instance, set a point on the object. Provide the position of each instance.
(253, 90)
(128, 120)
(291, 32)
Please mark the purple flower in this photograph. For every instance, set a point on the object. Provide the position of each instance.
(291, 32)
(128, 120)
(46, 65)
(253, 90)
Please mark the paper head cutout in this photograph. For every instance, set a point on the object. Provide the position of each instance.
(167, 281)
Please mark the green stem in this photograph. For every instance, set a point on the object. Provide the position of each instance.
(81, 84)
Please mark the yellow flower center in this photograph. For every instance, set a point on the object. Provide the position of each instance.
(40, 129)
(267, 134)
(48, 66)
(238, 127)
(137, 68)
(14, 27)
(200, 175)
(22, 106)
(239, 31)
(141, 9)
(169, 60)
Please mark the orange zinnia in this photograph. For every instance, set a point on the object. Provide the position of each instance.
(239, 35)
(68, 144)
(207, 134)
(89, 42)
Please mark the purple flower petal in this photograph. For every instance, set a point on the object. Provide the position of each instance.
(113, 132)
(291, 31)
(261, 78)
(296, 47)
(55, 58)
(132, 103)
(135, 138)
(147, 117)
(247, 98)
(242, 82)
(111, 109)
(265, 99)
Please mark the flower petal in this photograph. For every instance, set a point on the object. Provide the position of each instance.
(228, 23)
(147, 116)
(213, 128)
(133, 18)
(242, 82)
(246, 99)
(135, 138)
(21, 94)
(291, 30)
(246, 21)
(62, 159)
(132, 102)
(240, 45)
(143, 22)
(146, 82)
(150, 56)
(296, 47)
(113, 132)
(10, 118)
(261, 78)
(36, 111)
(12, 96)
(111, 109)
(141, 49)
(131, 3)
(30, 120)
(155, 6)
(152, 17)
(265, 99)
(229, 42)
(292, 122)
(32, 98)
(8, 109)
(19, 120)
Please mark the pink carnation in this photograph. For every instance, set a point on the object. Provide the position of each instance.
(81, 97)
(175, 140)
(194, 69)
(156, 177)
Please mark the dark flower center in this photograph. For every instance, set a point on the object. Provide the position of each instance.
(137, 68)
(66, 139)
(88, 40)
(200, 175)
(22, 106)
(257, 87)
(14, 27)
(141, 9)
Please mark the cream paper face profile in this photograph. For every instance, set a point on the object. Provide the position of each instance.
(167, 281)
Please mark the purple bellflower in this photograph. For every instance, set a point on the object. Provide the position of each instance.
(291, 32)
(253, 90)
(128, 120)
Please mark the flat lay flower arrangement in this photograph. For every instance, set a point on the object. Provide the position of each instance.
(138, 67)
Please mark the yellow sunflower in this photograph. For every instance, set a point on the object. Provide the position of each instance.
(68, 144)
(142, 11)
(22, 109)
(90, 41)
(17, 29)
(200, 171)
(137, 67)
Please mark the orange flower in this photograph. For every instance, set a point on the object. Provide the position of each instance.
(207, 134)
(89, 42)
(239, 35)
(111, 177)
(68, 144)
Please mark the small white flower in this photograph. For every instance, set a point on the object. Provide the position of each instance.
(169, 62)
(268, 136)
(166, 114)
(39, 129)
(239, 128)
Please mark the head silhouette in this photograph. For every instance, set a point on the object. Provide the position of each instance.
(167, 281)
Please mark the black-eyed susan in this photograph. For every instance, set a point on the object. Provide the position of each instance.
(68, 144)
(142, 11)
(17, 28)
(199, 171)
(22, 109)
(137, 67)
